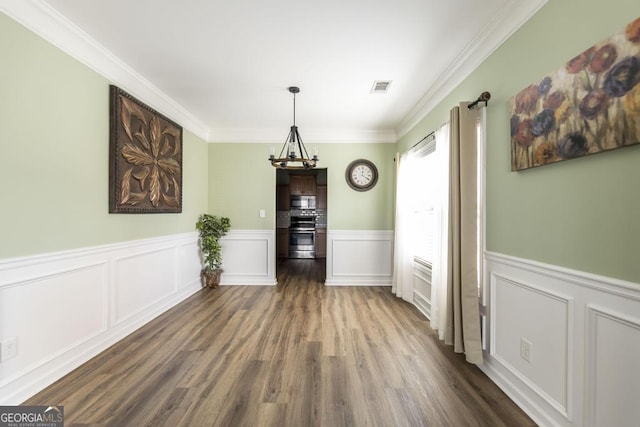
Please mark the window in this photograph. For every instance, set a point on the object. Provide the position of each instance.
(424, 182)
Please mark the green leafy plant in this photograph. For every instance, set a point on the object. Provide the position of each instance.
(211, 228)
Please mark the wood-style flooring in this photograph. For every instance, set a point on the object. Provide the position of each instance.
(298, 354)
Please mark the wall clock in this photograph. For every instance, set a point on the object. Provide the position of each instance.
(361, 175)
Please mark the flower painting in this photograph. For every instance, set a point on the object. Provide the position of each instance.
(588, 105)
(145, 158)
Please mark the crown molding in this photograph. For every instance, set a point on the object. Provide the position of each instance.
(42, 19)
(309, 136)
(496, 32)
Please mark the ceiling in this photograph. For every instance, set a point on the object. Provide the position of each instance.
(221, 68)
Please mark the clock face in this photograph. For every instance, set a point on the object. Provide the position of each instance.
(362, 175)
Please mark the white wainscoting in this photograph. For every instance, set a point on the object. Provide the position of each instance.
(584, 332)
(422, 274)
(248, 257)
(66, 307)
(359, 258)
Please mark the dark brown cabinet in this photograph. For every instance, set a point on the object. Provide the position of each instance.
(321, 242)
(282, 198)
(303, 185)
(282, 242)
(321, 197)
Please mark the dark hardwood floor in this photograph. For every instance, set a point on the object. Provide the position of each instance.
(298, 354)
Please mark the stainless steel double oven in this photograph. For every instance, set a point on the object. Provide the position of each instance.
(302, 234)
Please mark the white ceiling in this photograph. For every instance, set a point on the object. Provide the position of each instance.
(222, 68)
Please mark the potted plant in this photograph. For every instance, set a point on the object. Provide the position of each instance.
(211, 228)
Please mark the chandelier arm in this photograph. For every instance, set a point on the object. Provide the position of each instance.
(301, 147)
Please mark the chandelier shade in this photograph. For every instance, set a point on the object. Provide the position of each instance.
(294, 154)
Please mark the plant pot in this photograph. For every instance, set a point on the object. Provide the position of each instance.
(211, 278)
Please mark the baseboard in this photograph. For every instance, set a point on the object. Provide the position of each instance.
(88, 299)
(355, 282)
(422, 303)
(579, 325)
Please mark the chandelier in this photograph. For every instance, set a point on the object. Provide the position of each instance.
(293, 154)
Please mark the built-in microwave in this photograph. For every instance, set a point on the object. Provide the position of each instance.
(303, 202)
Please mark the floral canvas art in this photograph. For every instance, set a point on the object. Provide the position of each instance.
(145, 158)
(588, 105)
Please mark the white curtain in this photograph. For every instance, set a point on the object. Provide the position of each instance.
(402, 285)
(439, 274)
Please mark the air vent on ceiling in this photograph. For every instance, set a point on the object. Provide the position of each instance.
(381, 86)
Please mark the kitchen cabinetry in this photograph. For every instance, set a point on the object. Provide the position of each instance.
(303, 185)
(282, 197)
(321, 242)
(321, 197)
(282, 242)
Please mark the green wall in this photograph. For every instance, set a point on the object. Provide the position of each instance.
(239, 189)
(583, 213)
(54, 147)
(580, 214)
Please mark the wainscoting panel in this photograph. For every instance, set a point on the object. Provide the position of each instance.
(189, 265)
(248, 258)
(359, 258)
(64, 308)
(34, 313)
(584, 335)
(613, 375)
(422, 274)
(142, 280)
(515, 310)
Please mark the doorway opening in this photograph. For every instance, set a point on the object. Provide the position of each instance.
(301, 222)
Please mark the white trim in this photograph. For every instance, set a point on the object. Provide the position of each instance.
(564, 409)
(422, 303)
(588, 297)
(511, 18)
(48, 23)
(248, 258)
(23, 279)
(39, 17)
(310, 135)
(594, 313)
(610, 285)
(348, 266)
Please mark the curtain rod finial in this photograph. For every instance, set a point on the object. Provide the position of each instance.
(484, 97)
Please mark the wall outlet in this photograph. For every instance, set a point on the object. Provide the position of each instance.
(525, 349)
(262, 213)
(8, 349)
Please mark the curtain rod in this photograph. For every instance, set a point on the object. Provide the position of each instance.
(432, 133)
(429, 135)
(484, 97)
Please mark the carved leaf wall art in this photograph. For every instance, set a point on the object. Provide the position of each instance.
(145, 158)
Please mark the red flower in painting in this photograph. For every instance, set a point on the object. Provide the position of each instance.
(554, 100)
(526, 100)
(603, 58)
(524, 135)
(633, 31)
(594, 103)
(578, 63)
